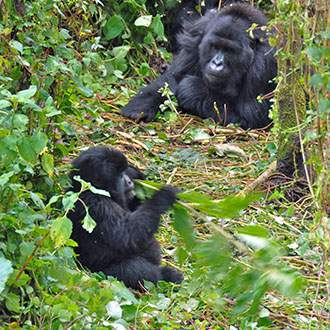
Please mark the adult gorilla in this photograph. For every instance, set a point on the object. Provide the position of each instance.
(220, 71)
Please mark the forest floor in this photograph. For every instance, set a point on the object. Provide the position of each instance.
(198, 155)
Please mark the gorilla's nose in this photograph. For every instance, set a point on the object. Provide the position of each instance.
(217, 62)
(130, 183)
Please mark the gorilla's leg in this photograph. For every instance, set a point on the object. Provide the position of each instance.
(133, 271)
(152, 253)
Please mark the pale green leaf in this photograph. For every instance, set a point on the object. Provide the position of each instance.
(60, 231)
(16, 45)
(47, 162)
(88, 222)
(5, 271)
(4, 104)
(143, 21)
(27, 93)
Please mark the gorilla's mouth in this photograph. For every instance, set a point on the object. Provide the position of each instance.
(214, 77)
(130, 193)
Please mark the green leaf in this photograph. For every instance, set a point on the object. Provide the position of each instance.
(255, 241)
(254, 236)
(158, 27)
(20, 121)
(5, 270)
(16, 45)
(99, 191)
(13, 302)
(69, 200)
(4, 104)
(226, 208)
(324, 106)
(214, 252)
(120, 51)
(37, 200)
(114, 310)
(4, 178)
(85, 185)
(254, 231)
(53, 200)
(143, 21)
(27, 93)
(39, 142)
(60, 231)
(47, 162)
(198, 134)
(183, 225)
(232, 205)
(88, 222)
(85, 91)
(114, 27)
(26, 151)
(289, 284)
(326, 34)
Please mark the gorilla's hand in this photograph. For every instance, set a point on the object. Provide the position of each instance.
(144, 105)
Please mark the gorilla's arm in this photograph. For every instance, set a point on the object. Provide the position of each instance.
(145, 104)
(129, 231)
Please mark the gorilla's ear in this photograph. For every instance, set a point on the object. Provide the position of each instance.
(89, 165)
(85, 159)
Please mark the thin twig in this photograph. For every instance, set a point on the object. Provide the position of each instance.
(260, 179)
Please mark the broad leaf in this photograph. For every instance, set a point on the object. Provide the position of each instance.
(27, 93)
(47, 162)
(183, 225)
(143, 21)
(5, 270)
(60, 231)
(4, 104)
(39, 142)
(88, 222)
(114, 27)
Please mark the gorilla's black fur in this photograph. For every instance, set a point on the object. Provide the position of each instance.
(122, 244)
(220, 71)
(188, 11)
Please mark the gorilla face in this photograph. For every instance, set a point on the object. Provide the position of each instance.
(107, 169)
(124, 187)
(225, 53)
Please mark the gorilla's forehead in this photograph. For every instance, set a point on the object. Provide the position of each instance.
(226, 27)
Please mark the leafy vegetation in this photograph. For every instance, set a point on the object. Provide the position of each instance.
(250, 260)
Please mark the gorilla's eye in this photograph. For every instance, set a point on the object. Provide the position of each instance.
(227, 45)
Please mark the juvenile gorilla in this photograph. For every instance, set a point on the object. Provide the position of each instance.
(122, 244)
(220, 71)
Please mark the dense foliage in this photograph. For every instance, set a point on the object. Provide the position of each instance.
(63, 76)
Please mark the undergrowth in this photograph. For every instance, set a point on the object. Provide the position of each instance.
(251, 261)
